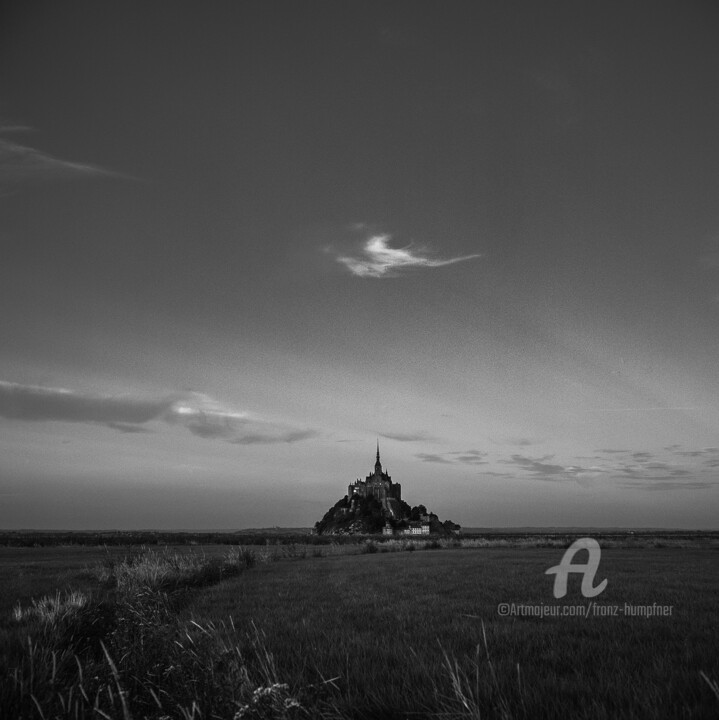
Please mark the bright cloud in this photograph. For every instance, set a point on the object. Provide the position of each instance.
(200, 414)
(205, 417)
(378, 260)
(20, 163)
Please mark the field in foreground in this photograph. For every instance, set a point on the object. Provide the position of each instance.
(381, 635)
(387, 624)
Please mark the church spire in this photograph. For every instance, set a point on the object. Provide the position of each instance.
(378, 464)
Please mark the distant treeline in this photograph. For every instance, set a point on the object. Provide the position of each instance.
(49, 539)
(274, 537)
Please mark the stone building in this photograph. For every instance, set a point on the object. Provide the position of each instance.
(418, 528)
(378, 485)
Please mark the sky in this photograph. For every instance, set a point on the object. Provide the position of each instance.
(242, 241)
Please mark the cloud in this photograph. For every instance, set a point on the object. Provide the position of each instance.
(200, 414)
(628, 472)
(128, 429)
(34, 403)
(204, 417)
(428, 457)
(540, 469)
(378, 260)
(20, 163)
(409, 437)
(640, 456)
(236, 428)
(638, 469)
(537, 466)
(471, 457)
(668, 485)
(467, 457)
(280, 436)
(516, 441)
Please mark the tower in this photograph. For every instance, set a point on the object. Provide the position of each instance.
(378, 485)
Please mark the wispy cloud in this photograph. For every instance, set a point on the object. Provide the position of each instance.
(200, 414)
(35, 403)
(642, 456)
(537, 466)
(431, 458)
(659, 484)
(471, 457)
(128, 429)
(279, 436)
(540, 469)
(465, 457)
(631, 470)
(409, 437)
(20, 163)
(206, 418)
(624, 469)
(377, 260)
(517, 441)
(471, 460)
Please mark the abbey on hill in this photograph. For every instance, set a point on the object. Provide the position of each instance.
(375, 505)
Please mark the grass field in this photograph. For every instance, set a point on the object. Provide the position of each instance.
(384, 623)
(355, 632)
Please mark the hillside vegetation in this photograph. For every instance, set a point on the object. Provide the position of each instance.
(367, 516)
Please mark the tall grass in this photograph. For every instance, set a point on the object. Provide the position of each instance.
(166, 570)
(52, 608)
(148, 666)
(126, 654)
(476, 690)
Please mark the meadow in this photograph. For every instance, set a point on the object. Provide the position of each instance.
(400, 629)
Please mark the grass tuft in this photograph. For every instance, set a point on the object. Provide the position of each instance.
(52, 609)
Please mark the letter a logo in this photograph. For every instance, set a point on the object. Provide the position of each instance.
(588, 571)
